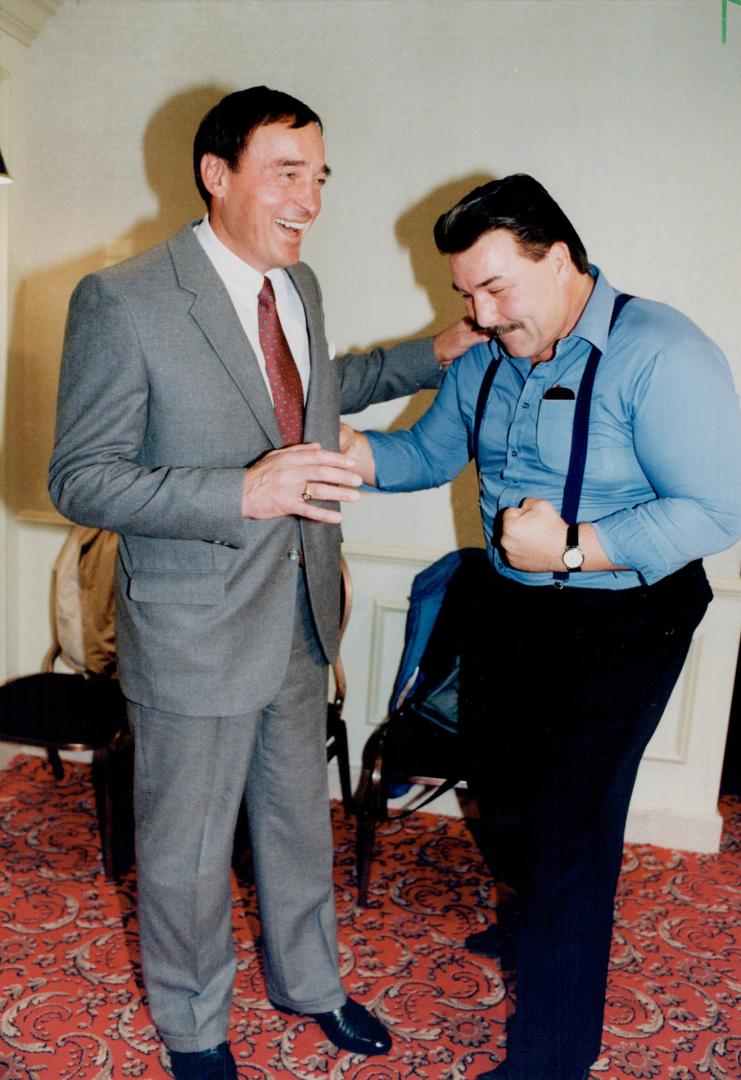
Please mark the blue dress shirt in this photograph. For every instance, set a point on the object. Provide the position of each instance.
(662, 484)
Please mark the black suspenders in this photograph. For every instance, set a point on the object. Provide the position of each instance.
(579, 433)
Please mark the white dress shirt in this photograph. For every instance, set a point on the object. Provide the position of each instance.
(243, 283)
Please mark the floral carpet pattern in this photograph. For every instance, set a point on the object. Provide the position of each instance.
(72, 1003)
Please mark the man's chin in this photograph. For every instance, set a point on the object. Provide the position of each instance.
(288, 249)
(288, 258)
(509, 342)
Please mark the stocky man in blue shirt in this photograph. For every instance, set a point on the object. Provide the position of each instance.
(591, 662)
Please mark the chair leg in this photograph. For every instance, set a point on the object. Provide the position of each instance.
(112, 779)
(343, 766)
(364, 845)
(55, 762)
(370, 807)
(103, 780)
(121, 778)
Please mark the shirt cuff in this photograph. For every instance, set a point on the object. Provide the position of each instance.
(627, 542)
(382, 457)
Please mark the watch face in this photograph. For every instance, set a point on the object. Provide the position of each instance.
(573, 558)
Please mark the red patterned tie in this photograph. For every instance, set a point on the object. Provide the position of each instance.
(283, 376)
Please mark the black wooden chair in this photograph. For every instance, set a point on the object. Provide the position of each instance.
(336, 726)
(82, 709)
(420, 742)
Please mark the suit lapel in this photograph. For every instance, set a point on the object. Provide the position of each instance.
(214, 312)
(319, 396)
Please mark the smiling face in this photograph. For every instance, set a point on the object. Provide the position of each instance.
(527, 305)
(262, 211)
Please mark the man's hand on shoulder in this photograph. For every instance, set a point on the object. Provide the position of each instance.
(451, 343)
(288, 481)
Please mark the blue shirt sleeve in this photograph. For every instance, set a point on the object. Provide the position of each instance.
(687, 440)
(663, 479)
(430, 453)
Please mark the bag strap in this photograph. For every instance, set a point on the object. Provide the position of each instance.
(580, 432)
(446, 785)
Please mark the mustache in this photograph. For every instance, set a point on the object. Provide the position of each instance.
(499, 329)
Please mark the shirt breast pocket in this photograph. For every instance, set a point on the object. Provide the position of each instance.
(554, 431)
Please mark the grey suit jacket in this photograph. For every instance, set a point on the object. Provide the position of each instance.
(161, 406)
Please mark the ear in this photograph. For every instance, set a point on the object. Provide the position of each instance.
(560, 259)
(214, 174)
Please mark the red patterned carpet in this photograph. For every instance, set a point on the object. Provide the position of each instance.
(71, 999)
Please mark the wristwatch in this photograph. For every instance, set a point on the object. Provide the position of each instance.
(573, 556)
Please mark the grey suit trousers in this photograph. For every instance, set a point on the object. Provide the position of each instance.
(190, 775)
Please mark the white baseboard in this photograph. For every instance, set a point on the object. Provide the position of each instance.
(682, 830)
(449, 804)
(9, 750)
(656, 825)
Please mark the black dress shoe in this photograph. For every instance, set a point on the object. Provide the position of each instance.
(353, 1028)
(486, 942)
(214, 1064)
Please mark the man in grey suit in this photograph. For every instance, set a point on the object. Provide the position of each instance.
(198, 418)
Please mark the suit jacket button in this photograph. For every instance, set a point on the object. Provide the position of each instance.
(294, 554)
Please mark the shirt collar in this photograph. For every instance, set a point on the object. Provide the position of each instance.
(239, 274)
(594, 322)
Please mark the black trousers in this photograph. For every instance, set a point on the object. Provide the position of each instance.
(562, 690)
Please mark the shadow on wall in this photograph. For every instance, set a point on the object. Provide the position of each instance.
(431, 271)
(42, 299)
(37, 329)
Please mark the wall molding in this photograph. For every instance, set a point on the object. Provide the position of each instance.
(395, 553)
(688, 701)
(24, 19)
(383, 553)
(726, 586)
(384, 609)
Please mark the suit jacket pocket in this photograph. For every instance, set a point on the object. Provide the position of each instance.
(155, 554)
(163, 587)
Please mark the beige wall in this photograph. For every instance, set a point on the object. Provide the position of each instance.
(626, 109)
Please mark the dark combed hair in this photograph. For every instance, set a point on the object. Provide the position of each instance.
(226, 129)
(519, 204)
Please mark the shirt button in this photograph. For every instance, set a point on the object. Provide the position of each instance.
(294, 554)
(526, 405)
(514, 453)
